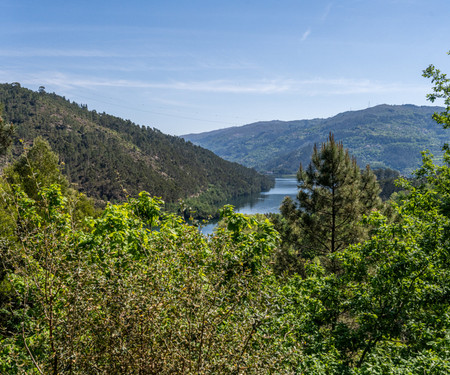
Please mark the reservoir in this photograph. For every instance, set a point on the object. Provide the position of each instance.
(265, 202)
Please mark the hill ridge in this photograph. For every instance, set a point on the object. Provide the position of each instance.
(390, 136)
(109, 157)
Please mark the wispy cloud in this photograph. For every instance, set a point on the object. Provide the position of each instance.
(222, 86)
(57, 79)
(344, 86)
(305, 35)
(326, 12)
(56, 53)
(311, 87)
(226, 65)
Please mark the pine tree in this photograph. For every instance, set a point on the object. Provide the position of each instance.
(333, 196)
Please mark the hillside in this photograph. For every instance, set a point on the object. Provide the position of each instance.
(108, 157)
(388, 136)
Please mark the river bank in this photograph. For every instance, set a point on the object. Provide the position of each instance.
(265, 202)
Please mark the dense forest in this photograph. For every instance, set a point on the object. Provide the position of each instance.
(384, 136)
(339, 282)
(108, 157)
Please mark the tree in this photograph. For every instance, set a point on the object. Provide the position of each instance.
(438, 177)
(117, 297)
(386, 178)
(6, 133)
(441, 89)
(37, 167)
(387, 311)
(333, 196)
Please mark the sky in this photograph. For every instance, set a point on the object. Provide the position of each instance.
(194, 66)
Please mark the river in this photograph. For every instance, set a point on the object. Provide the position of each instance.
(265, 202)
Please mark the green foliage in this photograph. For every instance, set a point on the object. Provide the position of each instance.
(38, 166)
(386, 178)
(387, 311)
(139, 291)
(116, 296)
(441, 89)
(6, 133)
(29, 177)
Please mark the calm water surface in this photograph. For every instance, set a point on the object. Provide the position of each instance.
(266, 202)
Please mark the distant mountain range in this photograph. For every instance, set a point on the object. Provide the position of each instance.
(388, 136)
(108, 157)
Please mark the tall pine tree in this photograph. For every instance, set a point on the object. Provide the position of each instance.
(333, 196)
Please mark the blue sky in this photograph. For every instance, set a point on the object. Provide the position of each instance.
(192, 66)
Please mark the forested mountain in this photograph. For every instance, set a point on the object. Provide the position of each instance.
(108, 157)
(389, 136)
